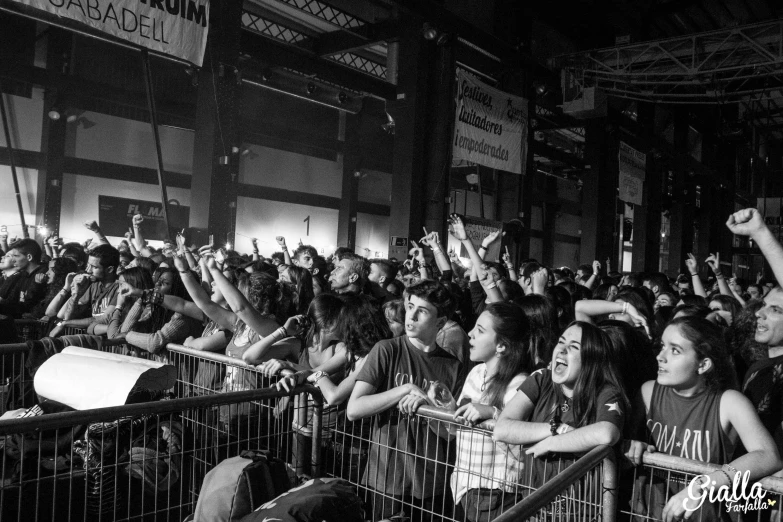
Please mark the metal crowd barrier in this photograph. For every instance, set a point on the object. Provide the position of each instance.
(648, 487)
(135, 462)
(489, 477)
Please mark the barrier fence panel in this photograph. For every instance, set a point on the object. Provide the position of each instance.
(31, 329)
(431, 468)
(646, 489)
(137, 462)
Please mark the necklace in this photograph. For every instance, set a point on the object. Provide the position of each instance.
(484, 380)
(566, 405)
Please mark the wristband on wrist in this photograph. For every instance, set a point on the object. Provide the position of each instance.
(285, 332)
(491, 286)
(694, 275)
(495, 413)
(718, 274)
(625, 308)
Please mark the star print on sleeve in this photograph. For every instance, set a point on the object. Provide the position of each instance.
(614, 406)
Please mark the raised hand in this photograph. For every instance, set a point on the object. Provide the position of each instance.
(457, 227)
(180, 264)
(280, 241)
(137, 219)
(69, 280)
(507, 259)
(81, 282)
(294, 325)
(431, 240)
(491, 238)
(714, 262)
(91, 225)
(41, 278)
(538, 279)
(746, 222)
(693, 264)
(596, 266)
(417, 252)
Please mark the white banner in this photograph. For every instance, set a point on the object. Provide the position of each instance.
(632, 171)
(490, 127)
(175, 27)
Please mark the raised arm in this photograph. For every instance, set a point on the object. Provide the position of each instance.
(256, 257)
(432, 240)
(98, 237)
(141, 245)
(738, 297)
(714, 262)
(225, 318)
(512, 273)
(749, 222)
(586, 309)
(693, 268)
(458, 229)
(590, 283)
(238, 302)
(131, 244)
(281, 241)
(487, 241)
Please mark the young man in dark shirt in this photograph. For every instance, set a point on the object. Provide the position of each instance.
(91, 293)
(25, 292)
(407, 460)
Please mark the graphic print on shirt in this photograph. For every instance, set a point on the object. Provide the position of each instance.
(401, 379)
(690, 444)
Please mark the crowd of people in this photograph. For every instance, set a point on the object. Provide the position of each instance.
(562, 361)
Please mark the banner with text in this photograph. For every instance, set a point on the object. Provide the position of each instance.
(115, 215)
(490, 126)
(174, 27)
(632, 171)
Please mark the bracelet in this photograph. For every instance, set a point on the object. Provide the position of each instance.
(694, 275)
(625, 307)
(255, 251)
(437, 251)
(729, 467)
(495, 412)
(285, 332)
(491, 286)
(727, 476)
(554, 424)
(718, 273)
(65, 291)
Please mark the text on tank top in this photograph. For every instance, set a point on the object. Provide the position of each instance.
(687, 427)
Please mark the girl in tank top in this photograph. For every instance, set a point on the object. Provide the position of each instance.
(692, 413)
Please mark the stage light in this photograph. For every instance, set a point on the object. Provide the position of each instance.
(55, 114)
(429, 32)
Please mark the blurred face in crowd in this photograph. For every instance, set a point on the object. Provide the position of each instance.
(21, 261)
(493, 274)
(769, 320)
(612, 293)
(375, 273)
(754, 293)
(285, 275)
(165, 283)
(7, 262)
(340, 278)
(663, 300)
(304, 260)
(50, 272)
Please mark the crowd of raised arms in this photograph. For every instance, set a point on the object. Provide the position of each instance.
(563, 360)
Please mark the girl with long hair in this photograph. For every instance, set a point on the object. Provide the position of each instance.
(499, 346)
(301, 282)
(59, 268)
(145, 324)
(692, 411)
(576, 404)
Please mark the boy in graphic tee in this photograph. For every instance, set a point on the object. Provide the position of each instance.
(407, 459)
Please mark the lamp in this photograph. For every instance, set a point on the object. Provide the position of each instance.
(55, 114)
(429, 32)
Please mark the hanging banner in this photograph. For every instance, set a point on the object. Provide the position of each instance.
(115, 216)
(490, 126)
(632, 171)
(174, 27)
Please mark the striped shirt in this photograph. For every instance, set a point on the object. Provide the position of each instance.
(481, 463)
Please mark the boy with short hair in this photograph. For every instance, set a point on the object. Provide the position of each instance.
(406, 459)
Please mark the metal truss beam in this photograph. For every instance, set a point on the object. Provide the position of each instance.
(717, 66)
(325, 12)
(276, 53)
(322, 45)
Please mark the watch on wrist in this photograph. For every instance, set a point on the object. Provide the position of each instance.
(314, 378)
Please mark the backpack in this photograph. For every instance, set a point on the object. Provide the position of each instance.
(239, 485)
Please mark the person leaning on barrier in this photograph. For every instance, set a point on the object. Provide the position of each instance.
(573, 406)
(691, 412)
(406, 461)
